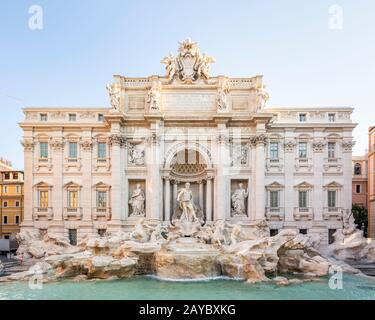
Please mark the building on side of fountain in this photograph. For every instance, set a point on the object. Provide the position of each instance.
(89, 170)
(371, 182)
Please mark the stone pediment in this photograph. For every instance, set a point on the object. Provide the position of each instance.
(72, 185)
(274, 185)
(333, 185)
(304, 185)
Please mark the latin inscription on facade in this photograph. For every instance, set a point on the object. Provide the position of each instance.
(189, 101)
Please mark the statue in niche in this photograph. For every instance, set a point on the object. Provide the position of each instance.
(153, 97)
(185, 200)
(136, 155)
(114, 95)
(137, 201)
(238, 200)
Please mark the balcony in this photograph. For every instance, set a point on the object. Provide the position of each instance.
(303, 165)
(274, 165)
(42, 213)
(274, 213)
(100, 212)
(332, 213)
(72, 213)
(303, 213)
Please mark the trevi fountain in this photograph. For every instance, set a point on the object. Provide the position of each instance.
(192, 258)
(111, 212)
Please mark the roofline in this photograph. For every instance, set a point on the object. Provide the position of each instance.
(313, 108)
(66, 108)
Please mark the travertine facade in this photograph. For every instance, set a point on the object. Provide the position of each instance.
(90, 170)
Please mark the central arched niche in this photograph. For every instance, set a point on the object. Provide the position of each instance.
(188, 165)
(188, 162)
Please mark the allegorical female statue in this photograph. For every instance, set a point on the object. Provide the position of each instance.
(137, 201)
(238, 200)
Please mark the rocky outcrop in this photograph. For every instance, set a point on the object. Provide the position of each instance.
(217, 250)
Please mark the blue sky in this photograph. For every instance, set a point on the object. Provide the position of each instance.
(83, 43)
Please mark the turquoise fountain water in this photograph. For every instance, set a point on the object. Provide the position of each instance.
(354, 287)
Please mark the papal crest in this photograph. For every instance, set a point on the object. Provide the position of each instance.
(190, 64)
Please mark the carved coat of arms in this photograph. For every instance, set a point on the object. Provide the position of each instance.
(190, 64)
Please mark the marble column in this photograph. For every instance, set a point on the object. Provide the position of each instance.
(28, 146)
(86, 194)
(56, 147)
(209, 199)
(116, 140)
(260, 141)
(167, 199)
(200, 185)
(221, 182)
(174, 200)
(154, 198)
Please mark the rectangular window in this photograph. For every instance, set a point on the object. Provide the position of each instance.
(72, 117)
(6, 176)
(357, 188)
(331, 117)
(274, 150)
(17, 189)
(5, 204)
(331, 150)
(302, 150)
(73, 199)
(43, 150)
(102, 148)
(17, 203)
(43, 117)
(5, 189)
(331, 199)
(274, 199)
(302, 199)
(5, 220)
(100, 117)
(43, 199)
(101, 199)
(15, 175)
(73, 150)
(303, 231)
(302, 117)
(17, 219)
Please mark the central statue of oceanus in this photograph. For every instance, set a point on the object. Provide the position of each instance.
(185, 200)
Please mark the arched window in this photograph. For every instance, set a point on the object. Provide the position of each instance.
(357, 169)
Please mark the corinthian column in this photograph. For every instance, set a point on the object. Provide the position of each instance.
(154, 183)
(209, 199)
(116, 141)
(28, 147)
(260, 141)
(167, 199)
